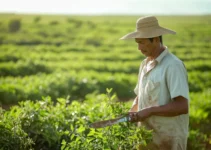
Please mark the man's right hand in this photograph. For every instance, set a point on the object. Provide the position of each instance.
(133, 116)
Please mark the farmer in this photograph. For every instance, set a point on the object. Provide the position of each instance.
(162, 90)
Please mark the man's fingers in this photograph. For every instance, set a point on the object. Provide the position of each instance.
(133, 117)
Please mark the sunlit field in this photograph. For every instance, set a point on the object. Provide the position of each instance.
(57, 72)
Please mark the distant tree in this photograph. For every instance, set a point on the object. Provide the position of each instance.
(14, 25)
(77, 23)
(37, 19)
(54, 22)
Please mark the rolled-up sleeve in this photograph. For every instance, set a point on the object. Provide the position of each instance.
(177, 81)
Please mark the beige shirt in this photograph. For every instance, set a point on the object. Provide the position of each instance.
(159, 82)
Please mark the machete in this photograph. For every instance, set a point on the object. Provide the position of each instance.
(104, 123)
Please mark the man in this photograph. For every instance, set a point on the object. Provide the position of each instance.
(162, 91)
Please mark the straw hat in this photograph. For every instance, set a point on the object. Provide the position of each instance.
(147, 27)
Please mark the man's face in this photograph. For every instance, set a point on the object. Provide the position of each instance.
(146, 46)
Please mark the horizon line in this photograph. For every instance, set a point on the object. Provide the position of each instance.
(105, 14)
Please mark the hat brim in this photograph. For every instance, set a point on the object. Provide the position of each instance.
(148, 33)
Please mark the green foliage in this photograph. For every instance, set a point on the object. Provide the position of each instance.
(75, 84)
(77, 23)
(197, 140)
(23, 68)
(200, 120)
(121, 136)
(12, 135)
(66, 126)
(199, 82)
(93, 42)
(14, 25)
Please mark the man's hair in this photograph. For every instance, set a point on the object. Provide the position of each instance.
(161, 39)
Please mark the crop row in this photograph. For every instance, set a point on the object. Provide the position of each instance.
(74, 84)
(89, 54)
(84, 31)
(45, 124)
(78, 84)
(24, 68)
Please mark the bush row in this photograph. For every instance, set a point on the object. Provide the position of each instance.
(74, 84)
(63, 126)
(77, 84)
(46, 124)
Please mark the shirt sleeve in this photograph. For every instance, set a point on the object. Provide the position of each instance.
(177, 81)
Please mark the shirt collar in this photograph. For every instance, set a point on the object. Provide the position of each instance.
(159, 58)
(162, 55)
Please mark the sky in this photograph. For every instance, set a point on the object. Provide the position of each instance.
(107, 7)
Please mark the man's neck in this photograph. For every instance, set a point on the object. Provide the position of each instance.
(157, 52)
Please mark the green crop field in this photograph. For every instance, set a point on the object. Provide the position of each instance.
(56, 72)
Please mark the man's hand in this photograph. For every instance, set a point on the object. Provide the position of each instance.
(177, 107)
(140, 115)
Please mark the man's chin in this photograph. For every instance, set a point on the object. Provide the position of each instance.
(144, 53)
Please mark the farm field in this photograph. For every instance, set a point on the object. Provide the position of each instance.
(56, 70)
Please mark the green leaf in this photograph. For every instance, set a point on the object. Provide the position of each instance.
(72, 136)
(109, 90)
(81, 129)
(92, 132)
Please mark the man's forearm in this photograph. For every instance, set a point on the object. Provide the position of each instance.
(177, 107)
